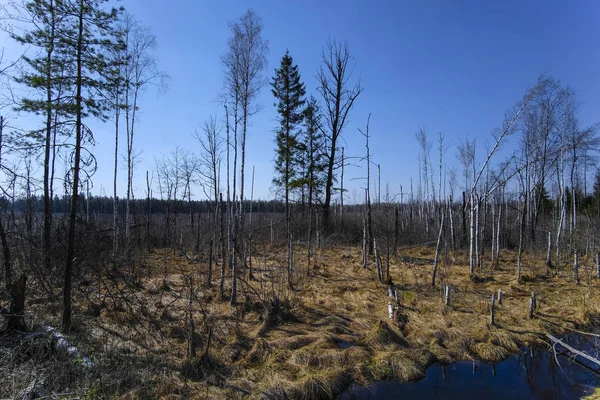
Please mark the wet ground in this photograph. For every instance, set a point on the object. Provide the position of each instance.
(536, 373)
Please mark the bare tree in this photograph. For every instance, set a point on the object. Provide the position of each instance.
(508, 126)
(339, 96)
(190, 169)
(211, 150)
(140, 70)
(244, 63)
(369, 228)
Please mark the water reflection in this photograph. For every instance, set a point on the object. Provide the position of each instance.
(533, 374)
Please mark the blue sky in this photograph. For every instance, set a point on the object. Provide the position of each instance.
(450, 66)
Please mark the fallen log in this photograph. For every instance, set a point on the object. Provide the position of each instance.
(60, 343)
(573, 350)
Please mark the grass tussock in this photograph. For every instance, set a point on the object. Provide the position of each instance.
(383, 336)
(308, 342)
(397, 365)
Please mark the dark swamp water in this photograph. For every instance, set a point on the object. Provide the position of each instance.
(533, 374)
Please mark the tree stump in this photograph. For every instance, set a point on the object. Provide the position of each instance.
(16, 318)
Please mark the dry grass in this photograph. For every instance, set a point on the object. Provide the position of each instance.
(331, 330)
(593, 396)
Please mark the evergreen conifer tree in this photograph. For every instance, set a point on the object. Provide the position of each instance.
(289, 91)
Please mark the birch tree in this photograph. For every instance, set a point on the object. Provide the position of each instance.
(140, 71)
(244, 63)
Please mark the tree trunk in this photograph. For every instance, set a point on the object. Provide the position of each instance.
(521, 232)
(16, 320)
(437, 250)
(396, 229)
(7, 258)
(497, 259)
(47, 182)
(223, 247)
(464, 217)
(210, 264)
(115, 198)
(472, 236)
(67, 305)
(549, 254)
(452, 234)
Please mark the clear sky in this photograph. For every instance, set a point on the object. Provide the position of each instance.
(450, 66)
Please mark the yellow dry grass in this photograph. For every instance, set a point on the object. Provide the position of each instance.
(340, 330)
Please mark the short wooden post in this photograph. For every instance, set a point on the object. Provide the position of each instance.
(390, 292)
(447, 295)
(576, 267)
(396, 296)
(492, 309)
(500, 297)
(531, 305)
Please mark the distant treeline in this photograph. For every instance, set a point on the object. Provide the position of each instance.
(104, 204)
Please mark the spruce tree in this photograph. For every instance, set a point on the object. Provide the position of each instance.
(289, 92)
(313, 157)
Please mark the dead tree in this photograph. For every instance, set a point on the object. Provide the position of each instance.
(508, 127)
(338, 98)
(369, 220)
(437, 250)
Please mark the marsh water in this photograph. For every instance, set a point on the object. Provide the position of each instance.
(535, 373)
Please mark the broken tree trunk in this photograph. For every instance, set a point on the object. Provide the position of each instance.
(16, 318)
(437, 251)
(576, 267)
(378, 261)
(549, 254)
(573, 350)
(59, 343)
(493, 303)
(447, 295)
(531, 305)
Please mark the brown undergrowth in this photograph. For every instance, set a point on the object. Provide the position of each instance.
(311, 341)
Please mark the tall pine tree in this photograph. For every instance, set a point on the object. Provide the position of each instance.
(289, 92)
(91, 35)
(49, 74)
